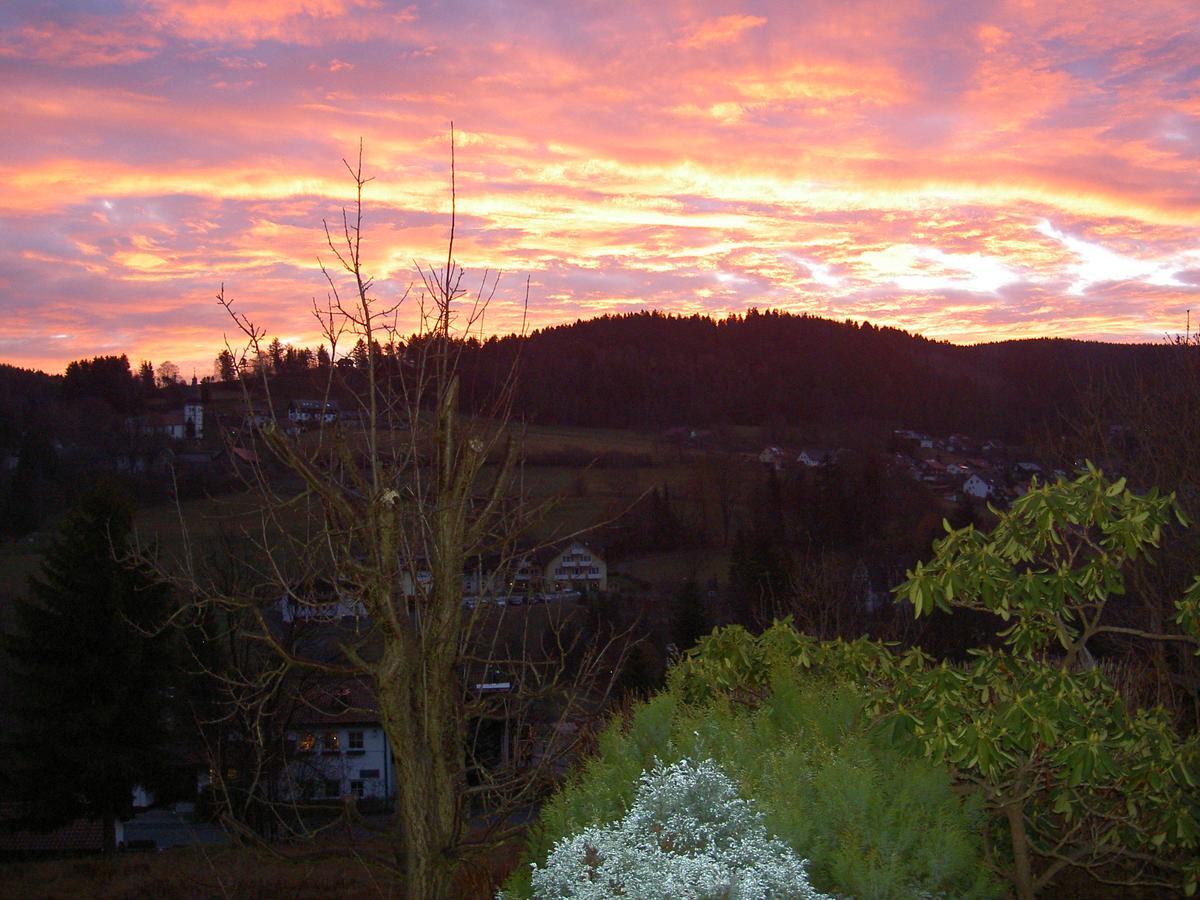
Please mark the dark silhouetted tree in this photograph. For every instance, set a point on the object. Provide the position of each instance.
(106, 378)
(168, 374)
(226, 368)
(88, 683)
(146, 378)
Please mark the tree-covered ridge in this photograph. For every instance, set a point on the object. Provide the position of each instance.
(650, 370)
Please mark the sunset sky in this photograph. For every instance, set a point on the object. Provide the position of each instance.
(971, 170)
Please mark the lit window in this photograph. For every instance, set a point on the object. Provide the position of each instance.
(306, 743)
(331, 742)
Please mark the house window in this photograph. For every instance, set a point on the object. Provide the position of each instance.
(368, 773)
(331, 742)
(306, 743)
(356, 788)
(332, 788)
(354, 740)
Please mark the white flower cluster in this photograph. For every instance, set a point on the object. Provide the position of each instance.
(687, 835)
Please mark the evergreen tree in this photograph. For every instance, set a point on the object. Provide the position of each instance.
(146, 378)
(226, 368)
(88, 685)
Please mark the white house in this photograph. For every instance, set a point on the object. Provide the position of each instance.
(309, 411)
(577, 564)
(333, 759)
(193, 417)
(977, 487)
(332, 609)
(257, 417)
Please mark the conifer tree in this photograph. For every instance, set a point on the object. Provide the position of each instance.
(87, 682)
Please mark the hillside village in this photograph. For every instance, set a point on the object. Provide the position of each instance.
(954, 468)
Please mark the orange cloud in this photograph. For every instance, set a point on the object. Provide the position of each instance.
(995, 170)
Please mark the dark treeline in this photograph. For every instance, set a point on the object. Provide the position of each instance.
(650, 371)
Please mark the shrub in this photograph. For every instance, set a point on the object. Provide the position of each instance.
(687, 834)
(872, 822)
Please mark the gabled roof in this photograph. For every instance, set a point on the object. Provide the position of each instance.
(74, 837)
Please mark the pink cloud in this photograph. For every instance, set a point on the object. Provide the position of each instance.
(86, 44)
(892, 162)
(308, 22)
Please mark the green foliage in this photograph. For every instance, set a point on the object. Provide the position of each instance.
(1049, 749)
(735, 664)
(1093, 782)
(1079, 779)
(872, 822)
(1050, 565)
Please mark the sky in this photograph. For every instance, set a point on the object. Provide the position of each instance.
(973, 170)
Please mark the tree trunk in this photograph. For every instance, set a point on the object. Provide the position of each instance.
(1022, 876)
(419, 710)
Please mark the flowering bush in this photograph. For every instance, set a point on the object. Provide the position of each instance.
(688, 835)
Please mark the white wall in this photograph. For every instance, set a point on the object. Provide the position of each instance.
(345, 766)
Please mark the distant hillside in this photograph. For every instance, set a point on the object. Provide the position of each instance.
(649, 370)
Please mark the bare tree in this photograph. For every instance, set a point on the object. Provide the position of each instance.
(384, 512)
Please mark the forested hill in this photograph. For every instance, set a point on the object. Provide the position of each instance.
(652, 371)
(649, 370)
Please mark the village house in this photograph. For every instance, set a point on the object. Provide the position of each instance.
(549, 570)
(324, 609)
(812, 457)
(337, 748)
(186, 422)
(773, 457)
(976, 487)
(311, 412)
(576, 565)
(78, 837)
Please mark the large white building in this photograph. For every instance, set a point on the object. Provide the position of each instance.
(331, 759)
(576, 565)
